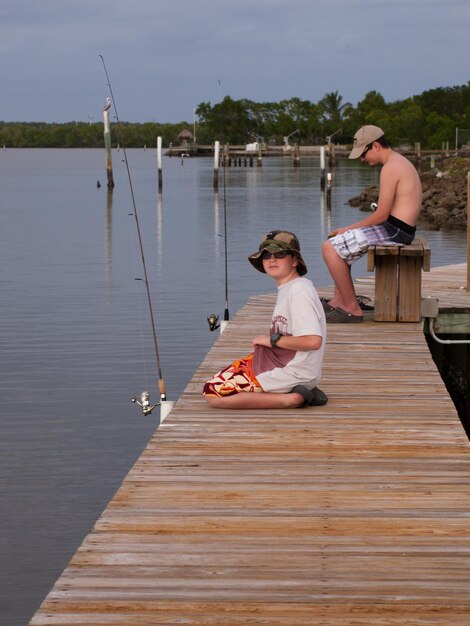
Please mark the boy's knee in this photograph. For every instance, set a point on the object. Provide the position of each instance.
(213, 401)
(327, 249)
(296, 400)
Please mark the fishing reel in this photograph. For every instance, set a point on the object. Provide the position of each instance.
(144, 403)
(213, 321)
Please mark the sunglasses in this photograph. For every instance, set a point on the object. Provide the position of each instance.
(366, 150)
(265, 255)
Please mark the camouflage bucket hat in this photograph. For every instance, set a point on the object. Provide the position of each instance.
(274, 241)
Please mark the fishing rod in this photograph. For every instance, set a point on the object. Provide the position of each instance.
(144, 401)
(226, 312)
(214, 319)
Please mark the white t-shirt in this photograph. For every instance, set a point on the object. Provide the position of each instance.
(298, 312)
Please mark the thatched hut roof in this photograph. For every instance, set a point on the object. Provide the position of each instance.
(185, 134)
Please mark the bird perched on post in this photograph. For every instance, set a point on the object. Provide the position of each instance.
(108, 104)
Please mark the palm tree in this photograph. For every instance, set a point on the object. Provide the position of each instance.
(332, 108)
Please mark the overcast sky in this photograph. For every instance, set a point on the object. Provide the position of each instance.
(164, 57)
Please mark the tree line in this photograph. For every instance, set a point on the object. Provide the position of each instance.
(430, 118)
(86, 135)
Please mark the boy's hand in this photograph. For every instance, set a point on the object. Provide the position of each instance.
(262, 340)
(338, 231)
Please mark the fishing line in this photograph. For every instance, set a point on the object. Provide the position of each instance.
(141, 314)
(161, 382)
(226, 311)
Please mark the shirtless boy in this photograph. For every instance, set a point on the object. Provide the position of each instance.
(394, 221)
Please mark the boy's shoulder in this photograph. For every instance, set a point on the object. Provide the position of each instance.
(303, 281)
(300, 285)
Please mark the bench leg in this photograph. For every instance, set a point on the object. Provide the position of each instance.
(386, 288)
(409, 288)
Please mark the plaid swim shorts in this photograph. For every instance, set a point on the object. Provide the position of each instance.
(353, 244)
(235, 378)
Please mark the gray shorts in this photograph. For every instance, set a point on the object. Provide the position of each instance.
(353, 244)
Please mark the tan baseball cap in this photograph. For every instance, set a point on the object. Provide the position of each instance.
(363, 137)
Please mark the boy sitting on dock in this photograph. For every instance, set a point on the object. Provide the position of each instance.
(394, 221)
(285, 366)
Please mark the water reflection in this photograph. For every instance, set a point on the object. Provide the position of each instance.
(159, 230)
(217, 232)
(325, 212)
(108, 237)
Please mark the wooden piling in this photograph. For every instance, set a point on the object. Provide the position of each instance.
(159, 163)
(107, 145)
(227, 161)
(328, 190)
(418, 150)
(331, 154)
(296, 155)
(216, 164)
(322, 167)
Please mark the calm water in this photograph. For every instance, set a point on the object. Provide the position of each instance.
(74, 331)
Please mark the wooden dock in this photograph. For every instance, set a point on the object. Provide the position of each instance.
(356, 513)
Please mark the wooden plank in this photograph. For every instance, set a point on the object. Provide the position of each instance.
(427, 255)
(386, 287)
(409, 288)
(351, 513)
(371, 259)
(386, 250)
(413, 249)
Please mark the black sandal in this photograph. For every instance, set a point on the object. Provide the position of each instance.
(326, 304)
(312, 397)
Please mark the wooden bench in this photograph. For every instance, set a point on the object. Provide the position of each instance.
(398, 280)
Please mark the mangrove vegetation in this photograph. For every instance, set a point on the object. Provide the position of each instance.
(430, 118)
